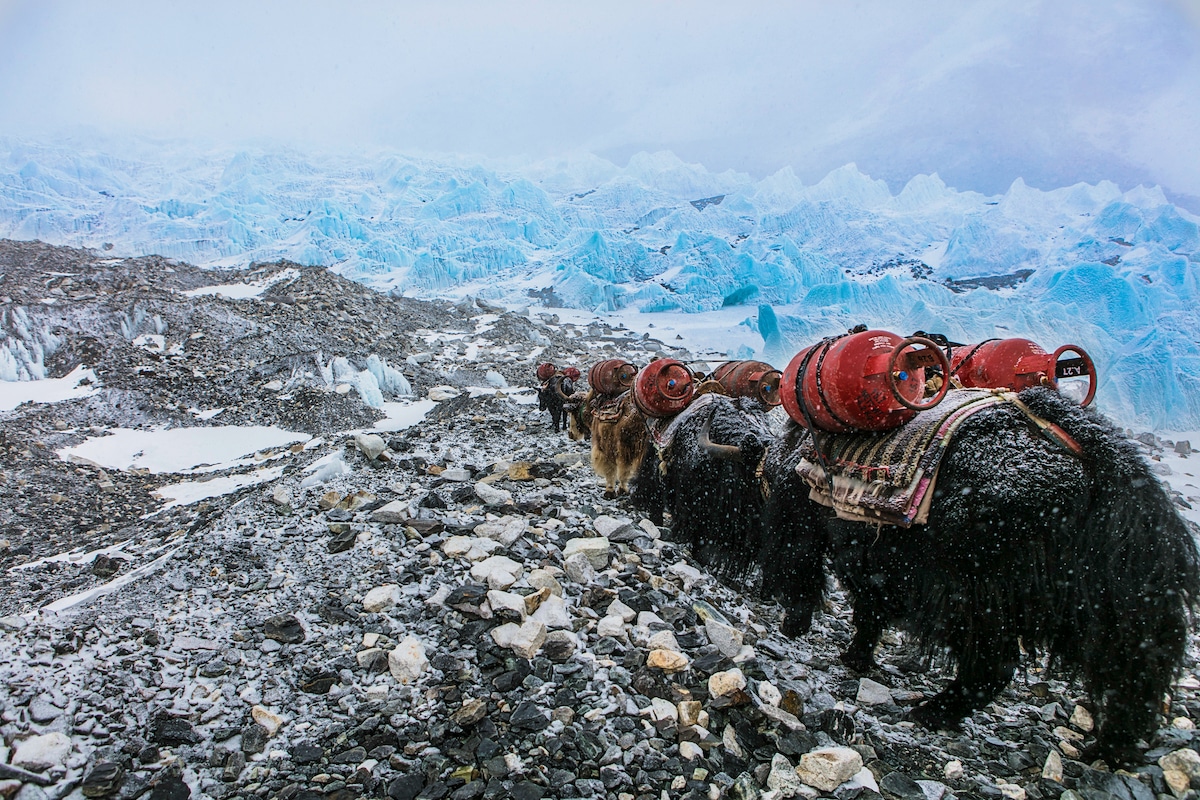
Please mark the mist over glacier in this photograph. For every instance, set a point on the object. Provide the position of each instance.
(1110, 268)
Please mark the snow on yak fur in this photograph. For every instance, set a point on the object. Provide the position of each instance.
(706, 478)
(1085, 560)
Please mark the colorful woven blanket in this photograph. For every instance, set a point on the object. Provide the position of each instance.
(888, 476)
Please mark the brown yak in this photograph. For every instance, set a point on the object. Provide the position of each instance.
(619, 439)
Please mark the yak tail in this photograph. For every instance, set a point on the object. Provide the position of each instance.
(1129, 601)
(794, 541)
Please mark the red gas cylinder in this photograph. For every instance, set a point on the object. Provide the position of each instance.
(663, 388)
(1018, 364)
(755, 379)
(571, 372)
(545, 371)
(612, 376)
(872, 380)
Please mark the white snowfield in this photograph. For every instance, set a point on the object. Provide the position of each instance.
(48, 390)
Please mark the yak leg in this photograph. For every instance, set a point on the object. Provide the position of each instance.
(869, 622)
(983, 671)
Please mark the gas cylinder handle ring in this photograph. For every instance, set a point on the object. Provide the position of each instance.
(1088, 367)
(942, 362)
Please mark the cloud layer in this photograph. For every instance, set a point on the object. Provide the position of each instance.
(980, 92)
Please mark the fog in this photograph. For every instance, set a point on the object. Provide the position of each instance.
(980, 92)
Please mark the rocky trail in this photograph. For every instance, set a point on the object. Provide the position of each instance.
(443, 606)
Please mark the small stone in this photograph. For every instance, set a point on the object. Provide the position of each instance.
(553, 613)
(727, 638)
(667, 660)
(471, 711)
(370, 445)
(953, 770)
(471, 548)
(689, 712)
(873, 693)
(1052, 769)
(280, 496)
(544, 579)
(690, 751)
(373, 659)
(40, 753)
(725, 683)
(898, 786)
(783, 778)
(343, 538)
(520, 471)
(329, 500)
(1180, 768)
(579, 569)
(171, 731)
(254, 738)
(827, 768)
(662, 711)
(407, 661)
(534, 601)
(393, 513)
(268, 719)
(769, 693)
(559, 646)
(492, 496)
(507, 606)
(596, 548)
(618, 609)
(1081, 718)
(505, 530)
(103, 779)
(663, 640)
(1183, 724)
(611, 626)
(381, 598)
(498, 572)
(1011, 791)
(275, 385)
(284, 628)
(525, 640)
(456, 474)
(42, 710)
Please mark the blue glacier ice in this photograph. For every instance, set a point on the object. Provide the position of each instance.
(1113, 270)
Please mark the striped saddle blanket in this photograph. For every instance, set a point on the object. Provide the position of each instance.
(888, 476)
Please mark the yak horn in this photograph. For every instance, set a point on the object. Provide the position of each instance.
(727, 451)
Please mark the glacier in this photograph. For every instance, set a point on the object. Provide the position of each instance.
(1111, 270)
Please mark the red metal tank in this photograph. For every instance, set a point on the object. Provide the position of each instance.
(571, 372)
(545, 371)
(612, 376)
(663, 388)
(872, 380)
(1018, 364)
(755, 379)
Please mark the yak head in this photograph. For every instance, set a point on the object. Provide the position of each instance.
(736, 430)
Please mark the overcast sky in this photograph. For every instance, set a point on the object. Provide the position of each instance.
(980, 92)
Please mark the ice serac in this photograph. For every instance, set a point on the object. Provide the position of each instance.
(1113, 271)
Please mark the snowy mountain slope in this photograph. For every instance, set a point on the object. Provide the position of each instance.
(1112, 271)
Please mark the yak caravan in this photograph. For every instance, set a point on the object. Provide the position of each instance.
(957, 492)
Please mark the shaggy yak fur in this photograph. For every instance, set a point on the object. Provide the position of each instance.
(1083, 559)
(553, 396)
(715, 498)
(618, 439)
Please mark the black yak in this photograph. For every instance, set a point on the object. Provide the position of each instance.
(553, 396)
(704, 471)
(1082, 558)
